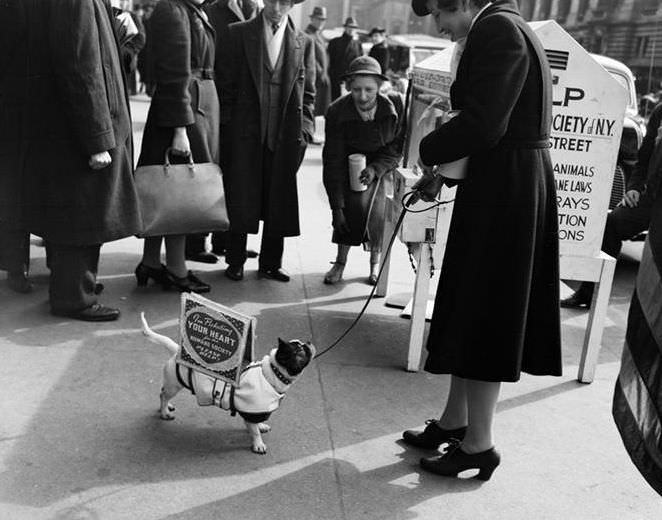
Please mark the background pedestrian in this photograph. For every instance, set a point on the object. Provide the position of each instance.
(342, 51)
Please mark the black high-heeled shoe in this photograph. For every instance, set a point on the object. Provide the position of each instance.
(433, 436)
(456, 461)
(188, 283)
(160, 275)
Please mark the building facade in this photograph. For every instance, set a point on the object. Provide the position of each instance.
(627, 30)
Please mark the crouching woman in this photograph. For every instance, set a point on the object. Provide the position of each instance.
(369, 127)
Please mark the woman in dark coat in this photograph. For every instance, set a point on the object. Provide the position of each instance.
(497, 307)
(184, 116)
(369, 123)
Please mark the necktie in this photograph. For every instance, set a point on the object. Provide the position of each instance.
(274, 27)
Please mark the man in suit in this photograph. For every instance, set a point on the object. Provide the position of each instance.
(342, 51)
(76, 147)
(322, 86)
(267, 94)
(221, 14)
(632, 216)
(379, 49)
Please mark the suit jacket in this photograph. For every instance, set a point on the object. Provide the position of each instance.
(239, 84)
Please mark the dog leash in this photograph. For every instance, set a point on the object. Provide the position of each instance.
(407, 201)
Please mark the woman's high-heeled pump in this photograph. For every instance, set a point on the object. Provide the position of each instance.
(456, 461)
(144, 273)
(433, 436)
(188, 283)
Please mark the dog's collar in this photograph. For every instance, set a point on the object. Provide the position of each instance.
(281, 377)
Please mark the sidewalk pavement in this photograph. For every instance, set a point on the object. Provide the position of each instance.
(80, 436)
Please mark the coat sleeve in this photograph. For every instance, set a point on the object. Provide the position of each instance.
(334, 156)
(226, 80)
(170, 37)
(499, 63)
(639, 175)
(309, 88)
(74, 43)
(390, 155)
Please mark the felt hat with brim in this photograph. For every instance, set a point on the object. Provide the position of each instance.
(377, 30)
(420, 7)
(319, 13)
(350, 22)
(364, 66)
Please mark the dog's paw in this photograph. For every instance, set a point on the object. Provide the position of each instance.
(259, 447)
(264, 428)
(167, 416)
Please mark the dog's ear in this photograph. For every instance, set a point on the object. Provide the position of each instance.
(283, 343)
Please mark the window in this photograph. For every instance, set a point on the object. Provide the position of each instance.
(641, 46)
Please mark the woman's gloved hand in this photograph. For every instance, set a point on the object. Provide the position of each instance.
(367, 175)
(338, 221)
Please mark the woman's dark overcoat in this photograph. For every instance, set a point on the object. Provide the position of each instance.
(381, 141)
(181, 53)
(78, 107)
(241, 128)
(497, 306)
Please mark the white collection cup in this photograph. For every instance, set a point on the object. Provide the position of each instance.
(357, 163)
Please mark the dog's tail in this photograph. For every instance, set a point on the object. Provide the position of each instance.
(159, 339)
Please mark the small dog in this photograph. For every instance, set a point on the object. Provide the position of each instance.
(262, 384)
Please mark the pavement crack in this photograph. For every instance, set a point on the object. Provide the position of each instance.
(325, 407)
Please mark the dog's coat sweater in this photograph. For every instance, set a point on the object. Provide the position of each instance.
(254, 399)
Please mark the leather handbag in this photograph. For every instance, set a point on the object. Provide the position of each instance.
(179, 199)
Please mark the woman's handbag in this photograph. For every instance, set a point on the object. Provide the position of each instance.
(179, 199)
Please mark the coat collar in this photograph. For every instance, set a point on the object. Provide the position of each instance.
(347, 110)
(197, 11)
(499, 6)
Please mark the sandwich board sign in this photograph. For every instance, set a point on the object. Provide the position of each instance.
(587, 122)
(214, 339)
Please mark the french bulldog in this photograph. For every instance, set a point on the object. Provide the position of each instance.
(262, 384)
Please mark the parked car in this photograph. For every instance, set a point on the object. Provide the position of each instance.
(634, 127)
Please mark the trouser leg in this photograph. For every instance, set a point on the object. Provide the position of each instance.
(271, 252)
(624, 223)
(14, 250)
(195, 243)
(73, 276)
(219, 241)
(236, 252)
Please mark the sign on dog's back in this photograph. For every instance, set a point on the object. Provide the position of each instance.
(214, 339)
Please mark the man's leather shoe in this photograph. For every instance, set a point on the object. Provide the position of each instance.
(19, 282)
(203, 257)
(96, 312)
(275, 274)
(235, 272)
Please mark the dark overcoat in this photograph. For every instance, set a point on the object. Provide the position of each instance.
(241, 128)
(497, 306)
(78, 107)
(382, 54)
(380, 140)
(13, 105)
(182, 58)
(322, 82)
(342, 51)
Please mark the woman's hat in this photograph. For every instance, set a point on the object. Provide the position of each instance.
(364, 66)
(350, 22)
(420, 7)
(377, 30)
(319, 12)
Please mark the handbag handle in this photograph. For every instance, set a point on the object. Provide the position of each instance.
(166, 160)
